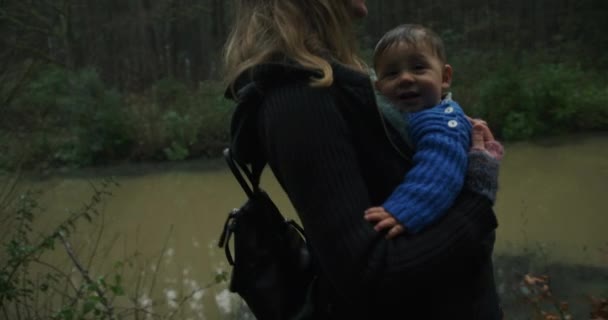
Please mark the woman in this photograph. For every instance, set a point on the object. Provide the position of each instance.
(315, 119)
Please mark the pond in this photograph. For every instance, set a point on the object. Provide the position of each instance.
(551, 205)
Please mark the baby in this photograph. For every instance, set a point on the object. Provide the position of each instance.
(413, 74)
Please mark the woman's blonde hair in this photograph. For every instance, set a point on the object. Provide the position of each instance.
(308, 32)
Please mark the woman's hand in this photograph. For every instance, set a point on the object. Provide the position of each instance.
(483, 140)
(484, 161)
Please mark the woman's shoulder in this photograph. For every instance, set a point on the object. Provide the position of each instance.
(283, 92)
(280, 74)
(270, 75)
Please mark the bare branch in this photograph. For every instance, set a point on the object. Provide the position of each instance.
(85, 274)
(12, 93)
(25, 26)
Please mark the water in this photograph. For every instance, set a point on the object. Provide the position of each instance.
(553, 195)
(167, 218)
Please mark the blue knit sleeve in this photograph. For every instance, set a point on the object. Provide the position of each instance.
(441, 136)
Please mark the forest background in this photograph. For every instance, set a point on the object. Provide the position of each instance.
(89, 82)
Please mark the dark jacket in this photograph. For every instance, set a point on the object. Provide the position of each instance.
(335, 156)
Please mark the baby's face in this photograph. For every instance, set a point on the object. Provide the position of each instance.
(412, 78)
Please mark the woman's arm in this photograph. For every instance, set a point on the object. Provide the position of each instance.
(310, 149)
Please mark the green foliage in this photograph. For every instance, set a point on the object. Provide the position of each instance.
(168, 91)
(523, 98)
(24, 247)
(176, 151)
(102, 127)
(73, 118)
(182, 133)
(181, 122)
(214, 113)
(518, 126)
(35, 285)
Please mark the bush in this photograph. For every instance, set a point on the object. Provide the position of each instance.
(214, 113)
(175, 122)
(72, 118)
(181, 133)
(35, 284)
(523, 99)
(169, 91)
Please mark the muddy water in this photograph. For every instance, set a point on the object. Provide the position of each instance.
(552, 199)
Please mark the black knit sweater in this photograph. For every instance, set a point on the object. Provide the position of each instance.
(335, 157)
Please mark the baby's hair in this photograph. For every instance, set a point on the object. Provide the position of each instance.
(412, 35)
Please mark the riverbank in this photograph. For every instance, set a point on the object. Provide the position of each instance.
(215, 161)
(71, 118)
(572, 284)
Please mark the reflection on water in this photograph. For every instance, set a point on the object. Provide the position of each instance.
(552, 198)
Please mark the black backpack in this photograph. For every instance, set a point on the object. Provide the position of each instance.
(271, 262)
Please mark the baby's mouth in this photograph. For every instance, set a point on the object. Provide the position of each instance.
(408, 95)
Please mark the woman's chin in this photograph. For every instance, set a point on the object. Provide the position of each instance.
(360, 10)
(361, 13)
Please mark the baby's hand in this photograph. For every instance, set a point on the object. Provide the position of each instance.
(384, 220)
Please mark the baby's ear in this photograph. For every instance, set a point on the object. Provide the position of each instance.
(446, 77)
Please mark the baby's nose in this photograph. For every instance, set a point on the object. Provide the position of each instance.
(406, 77)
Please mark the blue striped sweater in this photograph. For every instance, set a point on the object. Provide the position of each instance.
(441, 136)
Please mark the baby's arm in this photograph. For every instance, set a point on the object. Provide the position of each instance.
(442, 137)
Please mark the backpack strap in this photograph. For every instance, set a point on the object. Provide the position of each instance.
(245, 152)
(243, 156)
(249, 179)
(252, 182)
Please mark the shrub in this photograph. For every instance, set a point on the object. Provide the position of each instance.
(214, 112)
(521, 99)
(35, 285)
(74, 115)
(102, 127)
(169, 91)
(179, 126)
(181, 132)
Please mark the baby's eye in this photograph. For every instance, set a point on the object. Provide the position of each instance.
(391, 73)
(419, 66)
